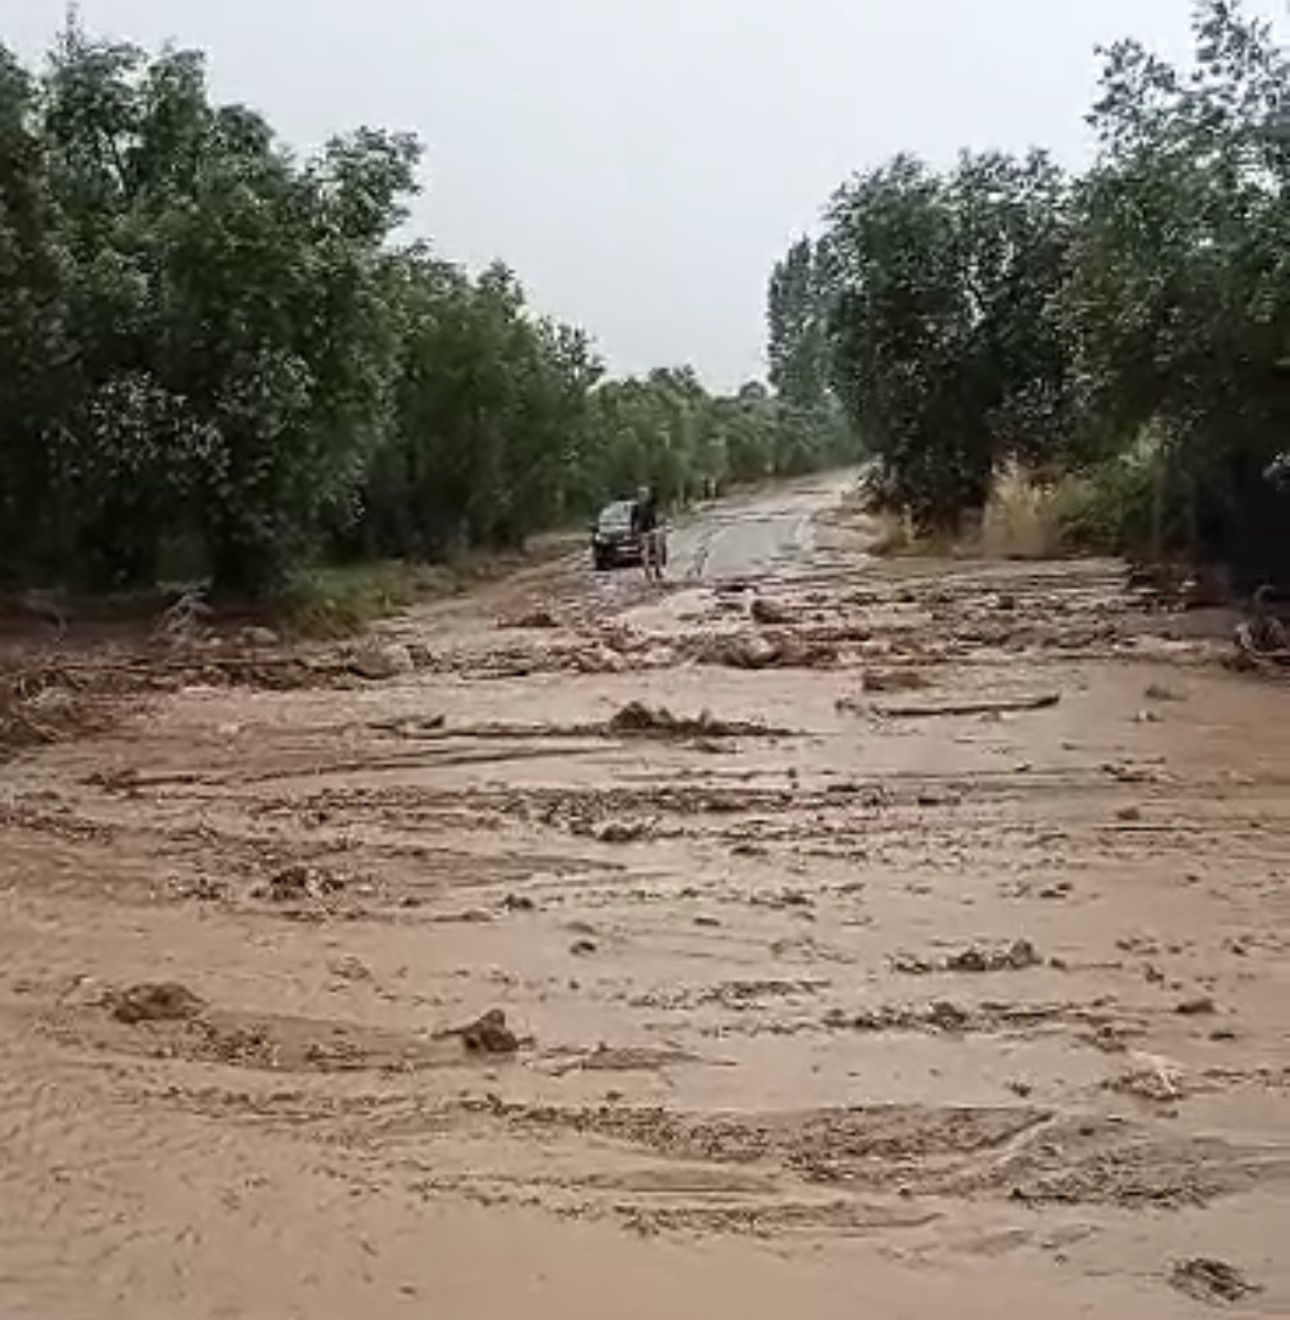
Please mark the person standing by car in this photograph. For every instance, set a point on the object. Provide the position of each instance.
(645, 525)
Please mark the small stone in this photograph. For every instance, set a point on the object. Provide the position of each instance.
(1060, 890)
(947, 1016)
(581, 948)
(769, 612)
(349, 968)
(535, 618)
(159, 1001)
(1197, 1007)
(489, 1034)
(377, 660)
(621, 831)
(1129, 813)
(292, 884)
(1158, 692)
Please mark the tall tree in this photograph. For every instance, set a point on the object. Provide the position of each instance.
(1179, 301)
(944, 342)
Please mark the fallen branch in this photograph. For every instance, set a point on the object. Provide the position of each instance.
(997, 706)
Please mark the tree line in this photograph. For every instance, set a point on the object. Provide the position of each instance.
(215, 360)
(1127, 328)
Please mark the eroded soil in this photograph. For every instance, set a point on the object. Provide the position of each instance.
(898, 938)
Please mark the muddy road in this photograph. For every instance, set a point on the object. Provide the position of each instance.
(850, 937)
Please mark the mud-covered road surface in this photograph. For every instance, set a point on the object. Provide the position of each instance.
(889, 938)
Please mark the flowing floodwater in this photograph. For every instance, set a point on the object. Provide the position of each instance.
(870, 937)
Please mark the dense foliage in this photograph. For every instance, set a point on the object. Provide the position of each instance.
(214, 360)
(1133, 322)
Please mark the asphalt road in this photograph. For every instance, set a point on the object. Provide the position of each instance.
(768, 532)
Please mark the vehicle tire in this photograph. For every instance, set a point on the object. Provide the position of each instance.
(602, 562)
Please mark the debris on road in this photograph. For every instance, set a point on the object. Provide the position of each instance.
(622, 831)
(1202, 1005)
(1016, 957)
(702, 867)
(155, 1001)
(1160, 692)
(640, 720)
(381, 660)
(984, 706)
(487, 1034)
(298, 883)
(1208, 1280)
(894, 680)
(769, 611)
(534, 618)
(1150, 1078)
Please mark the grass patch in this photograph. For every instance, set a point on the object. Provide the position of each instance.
(338, 601)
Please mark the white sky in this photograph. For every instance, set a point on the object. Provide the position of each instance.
(642, 163)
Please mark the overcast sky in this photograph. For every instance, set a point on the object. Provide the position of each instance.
(642, 163)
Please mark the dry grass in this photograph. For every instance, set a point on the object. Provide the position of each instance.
(1022, 519)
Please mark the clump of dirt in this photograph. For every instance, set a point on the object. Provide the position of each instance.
(769, 611)
(943, 1015)
(244, 1045)
(894, 680)
(1150, 1078)
(1200, 1006)
(1015, 957)
(1159, 692)
(642, 721)
(1207, 1280)
(155, 1001)
(535, 618)
(382, 660)
(763, 651)
(487, 1034)
(622, 831)
(298, 884)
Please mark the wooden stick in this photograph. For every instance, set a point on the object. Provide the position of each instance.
(982, 707)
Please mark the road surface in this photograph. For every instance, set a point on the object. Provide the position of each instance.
(759, 534)
(892, 938)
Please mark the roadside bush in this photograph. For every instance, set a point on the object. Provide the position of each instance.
(1119, 506)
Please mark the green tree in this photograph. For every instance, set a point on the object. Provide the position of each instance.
(1179, 299)
(212, 343)
(946, 351)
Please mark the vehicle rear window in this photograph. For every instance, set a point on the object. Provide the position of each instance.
(616, 515)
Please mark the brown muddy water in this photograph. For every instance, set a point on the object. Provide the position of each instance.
(897, 938)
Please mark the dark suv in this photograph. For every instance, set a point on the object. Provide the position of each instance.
(615, 542)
